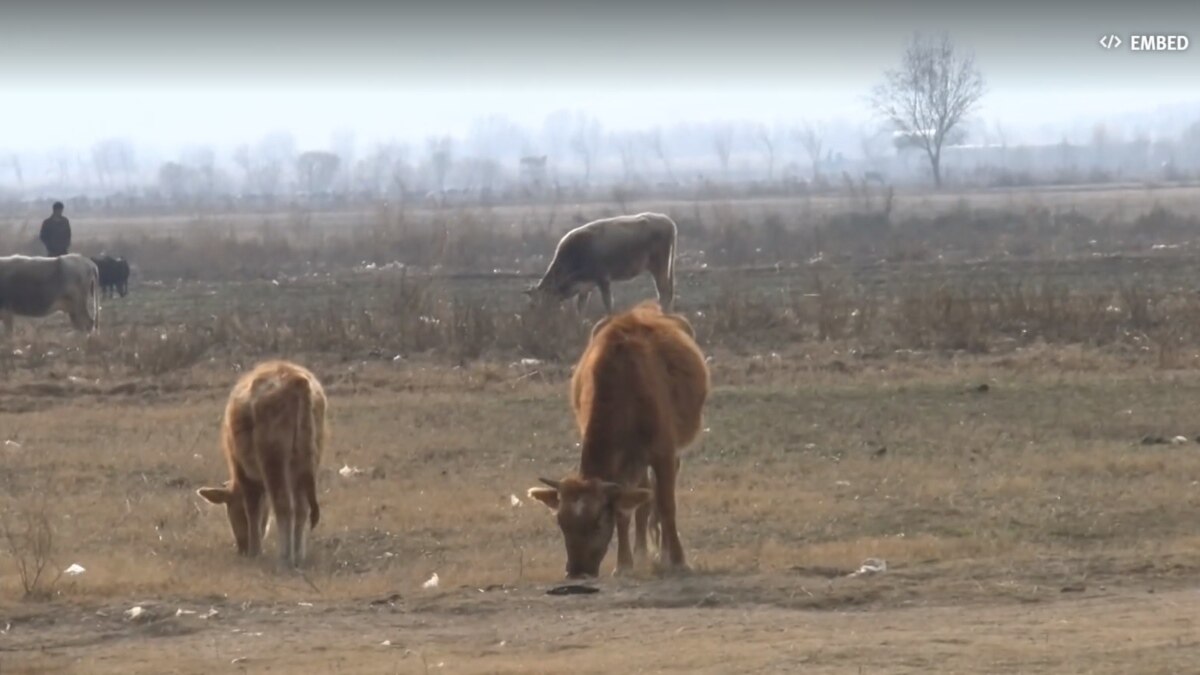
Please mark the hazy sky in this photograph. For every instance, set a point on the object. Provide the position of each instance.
(173, 73)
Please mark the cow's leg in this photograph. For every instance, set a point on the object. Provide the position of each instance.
(624, 556)
(581, 300)
(280, 491)
(300, 524)
(605, 294)
(256, 516)
(664, 494)
(641, 521)
(664, 278)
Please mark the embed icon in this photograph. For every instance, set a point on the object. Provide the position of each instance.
(1158, 43)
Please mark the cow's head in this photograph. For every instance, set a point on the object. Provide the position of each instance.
(545, 294)
(586, 510)
(235, 507)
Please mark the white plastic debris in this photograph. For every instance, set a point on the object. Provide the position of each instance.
(432, 583)
(870, 566)
(184, 612)
(74, 570)
(531, 362)
(515, 501)
(1179, 440)
(134, 613)
(212, 611)
(347, 471)
(12, 445)
(385, 643)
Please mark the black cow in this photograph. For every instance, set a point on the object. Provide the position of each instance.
(114, 275)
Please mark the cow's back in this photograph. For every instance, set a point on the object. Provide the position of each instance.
(30, 286)
(642, 380)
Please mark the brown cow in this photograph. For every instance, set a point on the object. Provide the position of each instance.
(273, 436)
(611, 249)
(638, 393)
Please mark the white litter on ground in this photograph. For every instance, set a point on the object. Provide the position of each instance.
(432, 583)
(871, 566)
(74, 570)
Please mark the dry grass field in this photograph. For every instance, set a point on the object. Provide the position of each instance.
(1001, 431)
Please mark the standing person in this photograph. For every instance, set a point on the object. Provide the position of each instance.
(56, 232)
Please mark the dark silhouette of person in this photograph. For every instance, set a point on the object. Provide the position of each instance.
(56, 232)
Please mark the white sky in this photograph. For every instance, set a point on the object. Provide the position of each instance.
(165, 78)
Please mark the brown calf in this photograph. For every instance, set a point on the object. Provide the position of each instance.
(638, 393)
(273, 437)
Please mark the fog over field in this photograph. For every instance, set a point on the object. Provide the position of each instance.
(94, 85)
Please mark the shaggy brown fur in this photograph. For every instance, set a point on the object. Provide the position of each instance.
(273, 437)
(638, 393)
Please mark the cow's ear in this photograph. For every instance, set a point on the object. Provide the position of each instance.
(215, 495)
(629, 499)
(545, 495)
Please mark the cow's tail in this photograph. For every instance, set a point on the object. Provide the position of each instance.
(671, 252)
(671, 261)
(293, 399)
(93, 300)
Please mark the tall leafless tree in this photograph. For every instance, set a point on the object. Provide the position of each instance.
(316, 170)
(439, 159)
(585, 142)
(766, 137)
(935, 87)
(812, 138)
(654, 139)
(723, 145)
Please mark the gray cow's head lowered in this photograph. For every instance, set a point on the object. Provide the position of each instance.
(551, 291)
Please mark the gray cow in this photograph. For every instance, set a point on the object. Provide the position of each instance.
(37, 287)
(611, 249)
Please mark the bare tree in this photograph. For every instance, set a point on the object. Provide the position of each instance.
(812, 138)
(14, 163)
(176, 181)
(654, 139)
(723, 146)
(203, 159)
(316, 170)
(61, 159)
(934, 88)
(585, 142)
(440, 150)
(626, 145)
(1099, 143)
(765, 137)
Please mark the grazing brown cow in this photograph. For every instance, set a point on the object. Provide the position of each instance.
(607, 250)
(638, 393)
(273, 436)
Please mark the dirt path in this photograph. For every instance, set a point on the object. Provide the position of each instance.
(670, 626)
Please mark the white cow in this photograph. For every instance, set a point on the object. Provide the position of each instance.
(37, 287)
(607, 250)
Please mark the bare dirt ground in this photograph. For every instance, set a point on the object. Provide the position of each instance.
(1026, 527)
(1027, 465)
